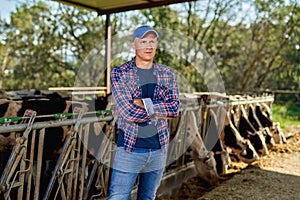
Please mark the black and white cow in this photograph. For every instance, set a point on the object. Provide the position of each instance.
(263, 113)
(257, 124)
(239, 146)
(213, 141)
(247, 131)
(47, 105)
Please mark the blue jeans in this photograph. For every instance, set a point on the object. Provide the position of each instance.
(149, 164)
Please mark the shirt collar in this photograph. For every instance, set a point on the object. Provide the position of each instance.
(157, 67)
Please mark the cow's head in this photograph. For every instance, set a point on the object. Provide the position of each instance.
(247, 153)
(270, 142)
(206, 168)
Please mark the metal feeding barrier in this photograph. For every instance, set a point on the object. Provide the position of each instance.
(78, 172)
(24, 177)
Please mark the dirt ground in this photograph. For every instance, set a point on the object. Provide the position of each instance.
(275, 176)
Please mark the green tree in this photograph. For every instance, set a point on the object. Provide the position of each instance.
(254, 44)
(36, 49)
(48, 46)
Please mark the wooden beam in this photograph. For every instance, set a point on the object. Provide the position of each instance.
(75, 88)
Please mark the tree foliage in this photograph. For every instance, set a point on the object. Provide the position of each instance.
(254, 45)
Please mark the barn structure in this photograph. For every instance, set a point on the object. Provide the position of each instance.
(36, 168)
(107, 8)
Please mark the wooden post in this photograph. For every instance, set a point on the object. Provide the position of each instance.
(108, 53)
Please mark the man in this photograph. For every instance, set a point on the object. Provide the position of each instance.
(145, 94)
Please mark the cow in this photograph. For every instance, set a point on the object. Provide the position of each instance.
(265, 108)
(241, 148)
(204, 160)
(264, 118)
(8, 108)
(263, 113)
(191, 144)
(277, 133)
(247, 131)
(213, 142)
(257, 124)
(48, 106)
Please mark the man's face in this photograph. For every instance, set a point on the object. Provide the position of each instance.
(145, 47)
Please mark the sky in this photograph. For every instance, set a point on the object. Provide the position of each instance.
(8, 6)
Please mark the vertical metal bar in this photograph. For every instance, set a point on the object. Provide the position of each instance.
(182, 138)
(185, 144)
(39, 163)
(59, 172)
(83, 161)
(77, 166)
(205, 121)
(61, 188)
(31, 165)
(72, 164)
(68, 145)
(16, 157)
(109, 148)
(22, 169)
(200, 120)
(25, 136)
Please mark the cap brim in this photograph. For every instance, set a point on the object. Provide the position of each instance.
(156, 34)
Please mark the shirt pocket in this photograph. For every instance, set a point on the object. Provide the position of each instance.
(160, 92)
(135, 90)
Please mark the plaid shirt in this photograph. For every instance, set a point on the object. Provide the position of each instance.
(125, 88)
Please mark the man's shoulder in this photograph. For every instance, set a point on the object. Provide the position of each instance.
(164, 68)
(123, 67)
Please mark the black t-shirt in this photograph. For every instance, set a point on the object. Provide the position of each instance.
(147, 134)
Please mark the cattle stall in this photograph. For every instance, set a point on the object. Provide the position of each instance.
(80, 167)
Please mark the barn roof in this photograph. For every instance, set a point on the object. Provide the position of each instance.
(114, 6)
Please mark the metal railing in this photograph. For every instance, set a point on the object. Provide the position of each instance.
(23, 176)
(75, 174)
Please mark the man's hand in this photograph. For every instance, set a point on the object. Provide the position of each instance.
(139, 103)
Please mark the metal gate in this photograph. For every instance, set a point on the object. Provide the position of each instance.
(75, 174)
